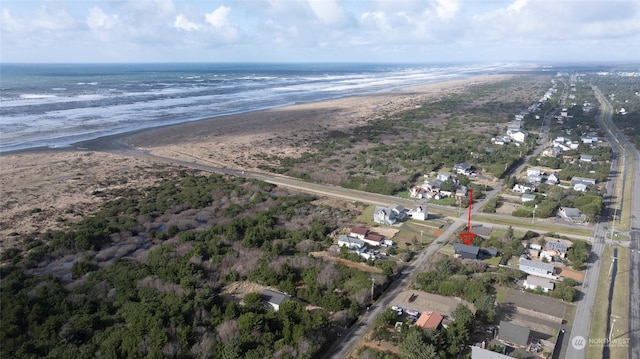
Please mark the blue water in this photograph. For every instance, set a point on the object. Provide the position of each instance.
(56, 105)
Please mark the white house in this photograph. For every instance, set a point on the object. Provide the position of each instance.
(517, 135)
(533, 282)
(580, 187)
(587, 181)
(586, 158)
(463, 168)
(444, 176)
(523, 188)
(350, 242)
(419, 212)
(540, 269)
(534, 172)
(527, 197)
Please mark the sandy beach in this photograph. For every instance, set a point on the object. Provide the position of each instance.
(45, 189)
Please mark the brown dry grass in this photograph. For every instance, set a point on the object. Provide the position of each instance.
(47, 189)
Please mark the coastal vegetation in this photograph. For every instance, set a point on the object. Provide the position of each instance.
(165, 295)
(389, 153)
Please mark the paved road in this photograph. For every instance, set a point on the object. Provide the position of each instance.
(634, 233)
(584, 311)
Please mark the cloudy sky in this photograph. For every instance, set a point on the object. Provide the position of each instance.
(416, 31)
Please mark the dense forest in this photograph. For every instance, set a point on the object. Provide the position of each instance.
(164, 296)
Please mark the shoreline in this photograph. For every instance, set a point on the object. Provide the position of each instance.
(46, 188)
(117, 141)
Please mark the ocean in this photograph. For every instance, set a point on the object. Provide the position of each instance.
(57, 105)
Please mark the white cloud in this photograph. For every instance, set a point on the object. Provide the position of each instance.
(447, 9)
(330, 12)
(218, 20)
(182, 23)
(218, 17)
(99, 20)
(517, 5)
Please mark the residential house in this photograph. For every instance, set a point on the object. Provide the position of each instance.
(383, 215)
(489, 252)
(481, 353)
(514, 335)
(587, 181)
(390, 215)
(573, 214)
(517, 135)
(553, 179)
(545, 270)
(554, 151)
(533, 282)
(430, 320)
(464, 251)
(359, 232)
(556, 249)
(463, 168)
(373, 239)
(444, 176)
(418, 192)
(461, 191)
(399, 212)
(419, 212)
(534, 172)
(580, 187)
(535, 179)
(274, 299)
(589, 140)
(586, 158)
(528, 197)
(350, 242)
(522, 188)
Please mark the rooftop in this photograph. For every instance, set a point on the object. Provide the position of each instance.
(274, 297)
(544, 266)
(513, 333)
(429, 320)
(463, 248)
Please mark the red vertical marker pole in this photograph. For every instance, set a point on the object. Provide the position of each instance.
(468, 237)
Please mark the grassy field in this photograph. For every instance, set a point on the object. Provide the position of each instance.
(625, 217)
(541, 227)
(619, 305)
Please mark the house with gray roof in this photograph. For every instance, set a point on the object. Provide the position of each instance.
(479, 353)
(350, 242)
(553, 179)
(584, 180)
(513, 334)
(464, 251)
(390, 215)
(274, 299)
(534, 282)
(463, 168)
(572, 214)
(541, 269)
